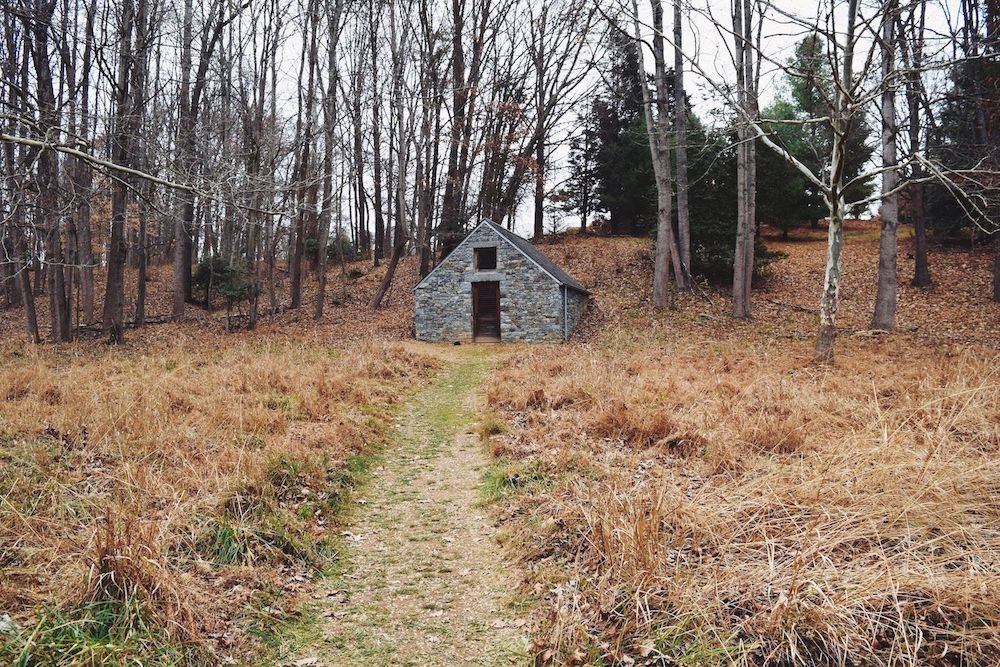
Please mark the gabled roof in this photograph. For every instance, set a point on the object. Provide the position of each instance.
(535, 255)
(528, 250)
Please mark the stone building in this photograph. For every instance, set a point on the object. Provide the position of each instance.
(496, 286)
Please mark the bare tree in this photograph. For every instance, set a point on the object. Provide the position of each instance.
(451, 224)
(885, 299)
(47, 201)
(191, 95)
(83, 179)
(658, 132)
(909, 35)
(746, 158)
(680, 148)
(333, 18)
(399, 39)
(128, 84)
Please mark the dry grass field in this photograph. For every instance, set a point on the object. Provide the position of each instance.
(171, 502)
(681, 489)
(675, 488)
(689, 500)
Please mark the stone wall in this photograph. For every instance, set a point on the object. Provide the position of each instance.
(576, 304)
(531, 306)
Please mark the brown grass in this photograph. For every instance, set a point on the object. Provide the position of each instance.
(194, 475)
(728, 503)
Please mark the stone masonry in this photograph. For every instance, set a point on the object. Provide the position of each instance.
(531, 298)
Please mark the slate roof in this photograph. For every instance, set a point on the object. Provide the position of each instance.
(535, 255)
(531, 252)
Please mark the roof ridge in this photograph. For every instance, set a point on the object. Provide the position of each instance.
(526, 248)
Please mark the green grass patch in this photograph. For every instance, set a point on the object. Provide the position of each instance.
(283, 403)
(491, 425)
(345, 482)
(276, 537)
(111, 633)
(274, 522)
(506, 478)
(684, 642)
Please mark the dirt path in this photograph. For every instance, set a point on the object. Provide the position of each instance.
(426, 584)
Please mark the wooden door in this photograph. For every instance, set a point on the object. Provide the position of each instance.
(486, 311)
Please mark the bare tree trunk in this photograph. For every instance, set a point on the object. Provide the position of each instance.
(227, 241)
(917, 208)
(378, 247)
(842, 116)
(139, 154)
(83, 181)
(401, 237)
(27, 295)
(658, 133)
(185, 233)
(114, 295)
(996, 277)
(8, 267)
(431, 145)
(13, 223)
(746, 161)
(184, 221)
(539, 227)
(831, 287)
(329, 120)
(363, 238)
(680, 151)
(911, 43)
(424, 151)
(307, 187)
(390, 182)
(884, 316)
(451, 225)
(540, 62)
(142, 258)
(47, 208)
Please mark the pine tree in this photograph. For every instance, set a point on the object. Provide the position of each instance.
(784, 198)
(623, 170)
(581, 195)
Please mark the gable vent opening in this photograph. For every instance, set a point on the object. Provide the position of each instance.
(486, 259)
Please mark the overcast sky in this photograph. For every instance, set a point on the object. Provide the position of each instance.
(708, 51)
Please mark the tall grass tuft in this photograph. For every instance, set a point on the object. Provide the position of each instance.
(815, 516)
(156, 498)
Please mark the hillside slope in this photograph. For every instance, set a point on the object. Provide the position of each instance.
(684, 489)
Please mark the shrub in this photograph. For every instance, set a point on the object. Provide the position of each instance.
(340, 248)
(233, 281)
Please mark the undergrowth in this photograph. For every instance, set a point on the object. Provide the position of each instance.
(112, 633)
(172, 504)
(692, 501)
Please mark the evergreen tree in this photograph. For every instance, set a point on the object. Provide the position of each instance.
(785, 198)
(712, 191)
(611, 170)
(581, 194)
(960, 139)
(623, 170)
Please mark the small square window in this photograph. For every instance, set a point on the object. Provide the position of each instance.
(486, 259)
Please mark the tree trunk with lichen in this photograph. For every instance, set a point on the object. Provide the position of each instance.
(680, 150)
(746, 161)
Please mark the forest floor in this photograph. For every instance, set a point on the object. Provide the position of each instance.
(424, 582)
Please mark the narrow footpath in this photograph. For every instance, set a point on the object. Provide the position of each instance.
(426, 584)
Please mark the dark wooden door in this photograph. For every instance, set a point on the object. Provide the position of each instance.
(486, 311)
